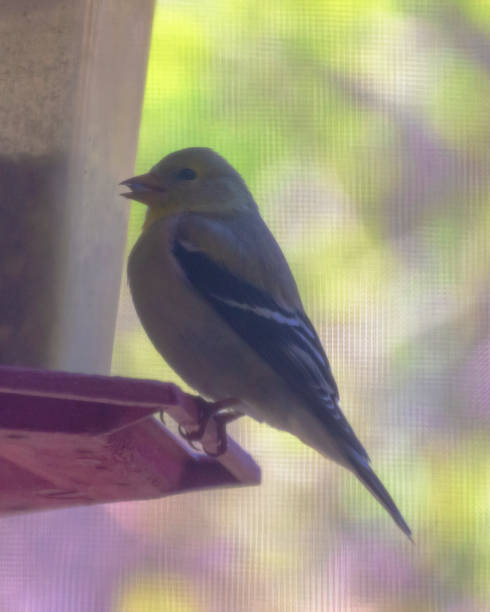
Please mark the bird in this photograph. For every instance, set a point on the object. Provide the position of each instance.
(216, 296)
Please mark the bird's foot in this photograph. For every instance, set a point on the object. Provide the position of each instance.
(221, 414)
(221, 421)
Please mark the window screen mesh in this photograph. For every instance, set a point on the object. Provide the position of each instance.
(362, 129)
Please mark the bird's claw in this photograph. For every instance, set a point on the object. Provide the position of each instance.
(208, 411)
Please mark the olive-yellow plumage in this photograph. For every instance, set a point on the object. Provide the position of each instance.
(215, 295)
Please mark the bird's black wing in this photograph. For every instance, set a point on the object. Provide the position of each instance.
(285, 339)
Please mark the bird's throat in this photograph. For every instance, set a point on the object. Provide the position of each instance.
(154, 213)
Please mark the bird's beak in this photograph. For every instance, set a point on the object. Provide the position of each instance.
(143, 188)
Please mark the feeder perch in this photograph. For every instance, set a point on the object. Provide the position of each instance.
(76, 439)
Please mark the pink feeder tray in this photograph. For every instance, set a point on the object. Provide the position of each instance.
(77, 439)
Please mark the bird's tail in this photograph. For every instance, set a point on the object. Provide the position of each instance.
(366, 475)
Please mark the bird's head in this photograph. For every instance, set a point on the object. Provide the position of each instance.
(190, 180)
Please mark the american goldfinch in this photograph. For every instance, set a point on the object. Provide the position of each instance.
(215, 295)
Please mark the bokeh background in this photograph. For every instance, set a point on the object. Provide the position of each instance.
(362, 128)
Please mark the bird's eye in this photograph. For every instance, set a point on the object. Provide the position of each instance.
(186, 174)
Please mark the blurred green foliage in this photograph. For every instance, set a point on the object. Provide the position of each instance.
(362, 128)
